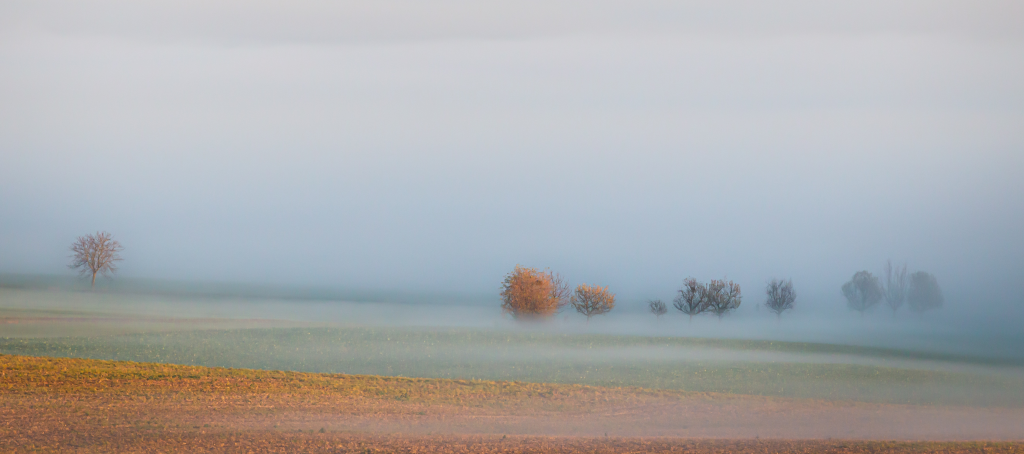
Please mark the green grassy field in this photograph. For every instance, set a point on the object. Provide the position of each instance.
(708, 365)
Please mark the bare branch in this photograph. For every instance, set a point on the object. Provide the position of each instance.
(95, 254)
(692, 298)
(895, 288)
(781, 296)
(559, 290)
(723, 297)
(591, 300)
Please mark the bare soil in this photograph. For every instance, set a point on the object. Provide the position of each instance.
(77, 405)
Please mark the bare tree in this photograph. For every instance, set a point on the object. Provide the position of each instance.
(924, 293)
(723, 297)
(529, 294)
(692, 298)
(780, 296)
(95, 254)
(591, 300)
(657, 307)
(862, 292)
(559, 290)
(895, 289)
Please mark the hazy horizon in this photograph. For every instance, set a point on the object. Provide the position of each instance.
(409, 147)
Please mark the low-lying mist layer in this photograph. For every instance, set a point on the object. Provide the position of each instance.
(742, 367)
(460, 342)
(112, 313)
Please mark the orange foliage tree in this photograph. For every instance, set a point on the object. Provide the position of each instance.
(529, 294)
(591, 300)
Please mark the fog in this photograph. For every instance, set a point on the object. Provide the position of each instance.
(405, 148)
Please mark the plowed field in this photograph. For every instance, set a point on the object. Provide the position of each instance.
(69, 405)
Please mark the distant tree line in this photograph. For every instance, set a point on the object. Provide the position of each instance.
(531, 294)
(718, 297)
(919, 290)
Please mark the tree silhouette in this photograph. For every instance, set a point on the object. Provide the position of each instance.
(722, 297)
(895, 290)
(924, 293)
(780, 296)
(657, 307)
(95, 254)
(692, 298)
(862, 292)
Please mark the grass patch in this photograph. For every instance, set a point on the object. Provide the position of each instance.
(550, 358)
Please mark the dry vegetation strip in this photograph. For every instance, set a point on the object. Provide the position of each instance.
(89, 378)
(260, 442)
(76, 405)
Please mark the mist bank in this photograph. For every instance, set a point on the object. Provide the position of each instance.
(706, 365)
(233, 290)
(962, 333)
(432, 149)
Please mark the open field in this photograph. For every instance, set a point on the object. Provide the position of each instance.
(50, 405)
(213, 380)
(782, 369)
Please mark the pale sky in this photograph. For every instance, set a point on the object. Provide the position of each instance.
(434, 145)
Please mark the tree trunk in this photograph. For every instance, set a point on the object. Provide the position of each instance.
(93, 279)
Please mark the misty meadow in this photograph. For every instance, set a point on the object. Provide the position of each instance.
(466, 227)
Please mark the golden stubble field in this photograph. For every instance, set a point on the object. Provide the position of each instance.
(78, 405)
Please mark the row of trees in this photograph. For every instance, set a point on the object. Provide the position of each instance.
(920, 290)
(719, 297)
(530, 294)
